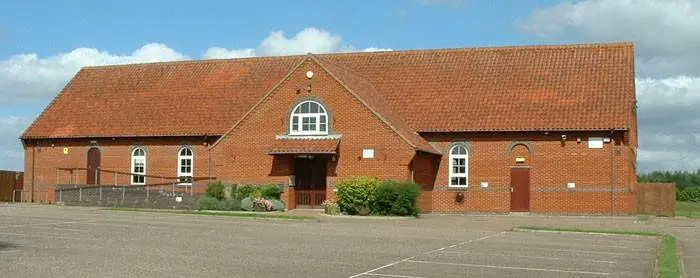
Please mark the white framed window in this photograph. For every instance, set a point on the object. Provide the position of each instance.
(185, 166)
(459, 166)
(308, 118)
(138, 166)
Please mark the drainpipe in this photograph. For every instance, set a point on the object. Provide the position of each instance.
(612, 174)
(33, 171)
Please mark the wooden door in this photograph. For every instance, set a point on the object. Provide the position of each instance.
(93, 166)
(520, 189)
(310, 181)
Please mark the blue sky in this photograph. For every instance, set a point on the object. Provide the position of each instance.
(43, 43)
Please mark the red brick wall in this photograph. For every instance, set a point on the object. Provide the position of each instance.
(242, 155)
(116, 156)
(553, 165)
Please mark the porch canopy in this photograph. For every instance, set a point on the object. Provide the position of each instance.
(305, 146)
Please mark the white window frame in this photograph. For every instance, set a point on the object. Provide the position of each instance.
(181, 157)
(315, 117)
(135, 159)
(464, 175)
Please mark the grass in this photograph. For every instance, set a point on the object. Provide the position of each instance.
(667, 262)
(239, 214)
(688, 209)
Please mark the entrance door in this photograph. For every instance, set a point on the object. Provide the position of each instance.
(520, 189)
(93, 164)
(310, 181)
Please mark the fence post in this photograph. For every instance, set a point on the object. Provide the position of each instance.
(96, 172)
(100, 192)
(60, 195)
(80, 192)
(147, 190)
(173, 189)
(115, 178)
(123, 192)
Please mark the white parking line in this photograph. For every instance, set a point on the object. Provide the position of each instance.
(575, 251)
(426, 253)
(392, 275)
(513, 267)
(532, 257)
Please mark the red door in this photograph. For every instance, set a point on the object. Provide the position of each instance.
(520, 189)
(93, 164)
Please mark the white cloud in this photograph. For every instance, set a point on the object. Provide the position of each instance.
(666, 38)
(665, 32)
(669, 123)
(27, 77)
(11, 151)
(309, 40)
(223, 53)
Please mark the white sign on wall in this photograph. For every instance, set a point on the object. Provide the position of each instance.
(368, 153)
(595, 142)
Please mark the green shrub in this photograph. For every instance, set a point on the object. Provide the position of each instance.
(396, 198)
(277, 205)
(356, 195)
(330, 207)
(271, 191)
(216, 190)
(207, 202)
(230, 205)
(247, 204)
(689, 194)
(245, 191)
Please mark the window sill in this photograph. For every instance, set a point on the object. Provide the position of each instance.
(306, 136)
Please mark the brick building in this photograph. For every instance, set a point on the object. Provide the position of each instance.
(530, 128)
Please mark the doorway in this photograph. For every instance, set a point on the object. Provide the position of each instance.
(93, 166)
(520, 189)
(310, 181)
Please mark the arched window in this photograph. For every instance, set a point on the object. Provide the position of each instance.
(308, 118)
(138, 166)
(459, 166)
(184, 165)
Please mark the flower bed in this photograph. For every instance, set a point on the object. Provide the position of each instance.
(232, 197)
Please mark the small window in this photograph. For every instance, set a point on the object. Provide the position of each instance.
(309, 118)
(184, 166)
(459, 166)
(138, 166)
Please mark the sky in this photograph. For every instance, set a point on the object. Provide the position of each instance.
(44, 43)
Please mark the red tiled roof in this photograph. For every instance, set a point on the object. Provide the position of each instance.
(567, 87)
(305, 146)
(579, 87)
(161, 99)
(368, 95)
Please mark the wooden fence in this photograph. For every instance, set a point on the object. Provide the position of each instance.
(10, 183)
(656, 199)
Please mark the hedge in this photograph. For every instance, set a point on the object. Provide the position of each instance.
(365, 195)
(396, 198)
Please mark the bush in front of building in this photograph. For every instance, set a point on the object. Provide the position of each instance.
(365, 195)
(207, 202)
(216, 190)
(396, 198)
(330, 207)
(356, 195)
(268, 191)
